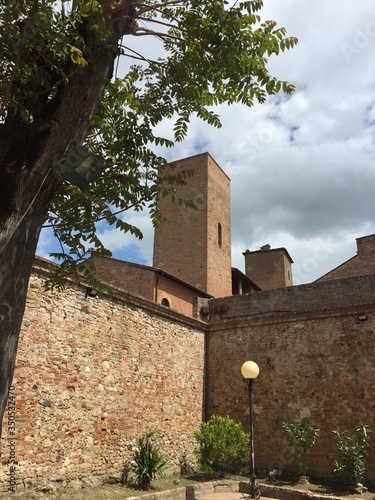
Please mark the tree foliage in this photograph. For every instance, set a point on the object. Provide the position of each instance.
(302, 438)
(61, 86)
(223, 446)
(353, 450)
(213, 52)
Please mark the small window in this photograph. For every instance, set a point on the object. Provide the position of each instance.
(165, 302)
(219, 235)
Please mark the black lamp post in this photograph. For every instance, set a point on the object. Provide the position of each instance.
(250, 371)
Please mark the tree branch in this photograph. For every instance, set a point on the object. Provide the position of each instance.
(17, 64)
(108, 5)
(159, 34)
(98, 219)
(137, 55)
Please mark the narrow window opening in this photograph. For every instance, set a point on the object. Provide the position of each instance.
(165, 302)
(219, 235)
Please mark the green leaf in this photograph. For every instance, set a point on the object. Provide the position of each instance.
(214, 52)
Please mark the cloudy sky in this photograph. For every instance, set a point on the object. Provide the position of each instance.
(302, 167)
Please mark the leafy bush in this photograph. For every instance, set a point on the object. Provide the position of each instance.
(352, 453)
(223, 446)
(301, 437)
(147, 461)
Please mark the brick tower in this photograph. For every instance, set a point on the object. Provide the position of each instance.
(195, 246)
(269, 268)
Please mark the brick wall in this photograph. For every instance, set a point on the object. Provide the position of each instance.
(187, 245)
(180, 298)
(361, 264)
(183, 238)
(122, 275)
(366, 245)
(316, 362)
(92, 375)
(269, 268)
(219, 276)
(153, 284)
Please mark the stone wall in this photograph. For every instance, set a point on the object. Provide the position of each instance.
(316, 361)
(92, 375)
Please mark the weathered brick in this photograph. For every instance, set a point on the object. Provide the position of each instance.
(88, 384)
(189, 245)
(316, 361)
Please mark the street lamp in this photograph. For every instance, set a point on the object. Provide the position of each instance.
(80, 167)
(250, 371)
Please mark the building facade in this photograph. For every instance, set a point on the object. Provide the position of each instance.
(195, 245)
(94, 373)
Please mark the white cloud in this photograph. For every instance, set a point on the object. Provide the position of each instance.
(302, 166)
(126, 246)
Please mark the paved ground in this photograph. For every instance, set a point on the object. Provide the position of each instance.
(234, 495)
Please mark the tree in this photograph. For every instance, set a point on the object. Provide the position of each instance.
(352, 456)
(222, 446)
(302, 438)
(59, 88)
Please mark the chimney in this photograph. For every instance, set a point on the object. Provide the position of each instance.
(366, 244)
(269, 268)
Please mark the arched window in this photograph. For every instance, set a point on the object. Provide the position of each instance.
(165, 302)
(219, 235)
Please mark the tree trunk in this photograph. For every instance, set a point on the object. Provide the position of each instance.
(28, 184)
(28, 196)
(18, 246)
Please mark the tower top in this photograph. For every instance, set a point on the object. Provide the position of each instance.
(267, 248)
(195, 245)
(269, 267)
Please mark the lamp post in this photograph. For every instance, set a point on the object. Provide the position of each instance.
(250, 371)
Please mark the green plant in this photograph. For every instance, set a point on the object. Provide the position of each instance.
(301, 437)
(147, 461)
(352, 454)
(223, 446)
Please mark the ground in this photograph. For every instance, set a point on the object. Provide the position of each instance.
(117, 491)
(104, 492)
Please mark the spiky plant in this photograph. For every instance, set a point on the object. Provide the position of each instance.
(147, 461)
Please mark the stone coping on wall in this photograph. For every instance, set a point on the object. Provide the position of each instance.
(193, 492)
(285, 492)
(329, 297)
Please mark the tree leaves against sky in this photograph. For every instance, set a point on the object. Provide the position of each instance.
(211, 52)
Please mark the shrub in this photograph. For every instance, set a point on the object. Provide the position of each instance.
(223, 446)
(301, 437)
(147, 461)
(352, 454)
